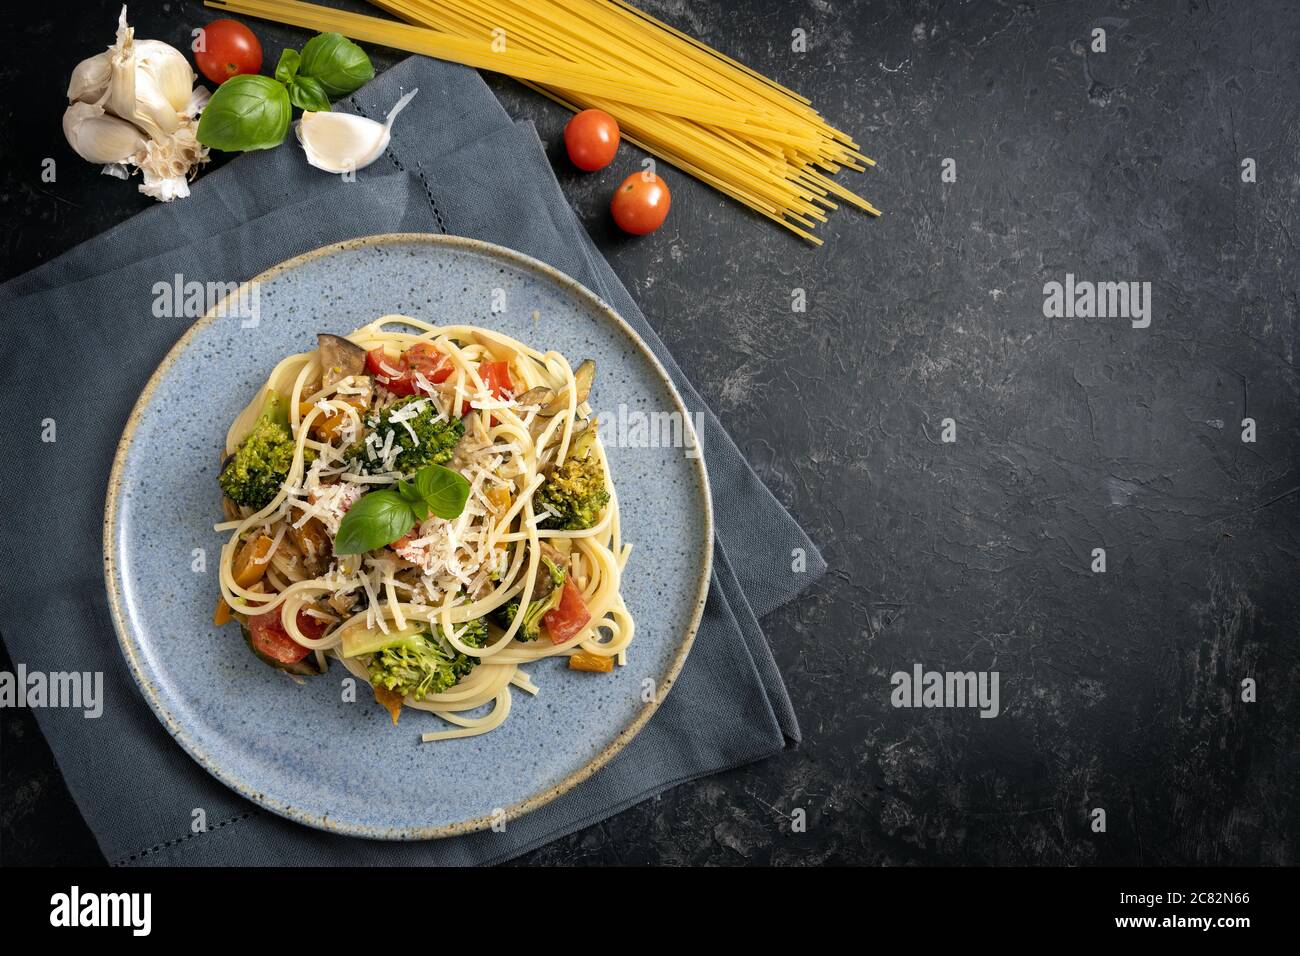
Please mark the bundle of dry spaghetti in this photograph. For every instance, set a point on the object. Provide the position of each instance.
(680, 100)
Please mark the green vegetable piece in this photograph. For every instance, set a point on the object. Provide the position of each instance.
(418, 665)
(377, 519)
(433, 442)
(337, 63)
(575, 491)
(531, 628)
(256, 471)
(246, 112)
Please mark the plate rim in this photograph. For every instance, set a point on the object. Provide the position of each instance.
(133, 652)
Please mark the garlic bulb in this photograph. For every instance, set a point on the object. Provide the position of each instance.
(136, 105)
(98, 137)
(341, 142)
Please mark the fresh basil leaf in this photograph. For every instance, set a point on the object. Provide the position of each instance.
(246, 112)
(408, 491)
(377, 519)
(444, 490)
(287, 68)
(340, 65)
(306, 93)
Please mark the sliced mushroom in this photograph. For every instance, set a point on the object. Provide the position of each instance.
(583, 376)
(541, 395)
(343, 602)
(339, 358)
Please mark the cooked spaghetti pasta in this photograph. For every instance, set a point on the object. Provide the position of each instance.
(444, 616)
(697, 109)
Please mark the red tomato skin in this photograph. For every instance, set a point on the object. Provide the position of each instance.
(640, 204)
(270, 638)
(569, 617)
(496, 376)
(398, 375)
(591, 139)
(311, 626)
(229, 49)
(428, 361)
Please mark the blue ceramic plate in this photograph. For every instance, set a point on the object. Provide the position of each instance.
(300, 750)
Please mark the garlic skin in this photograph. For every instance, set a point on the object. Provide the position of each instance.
(98, 137)
(136, 105)
(341, 142)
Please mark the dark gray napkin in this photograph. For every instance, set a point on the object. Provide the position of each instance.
(87, 344)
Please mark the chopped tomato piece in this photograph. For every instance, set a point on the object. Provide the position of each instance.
(496, 376)
(595, 663)
(428, 361)
(381, 366)
(569, 617)
(272, 640)
(398, 375)
(312, 626)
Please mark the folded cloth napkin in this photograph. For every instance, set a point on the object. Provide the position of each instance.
(83, 343)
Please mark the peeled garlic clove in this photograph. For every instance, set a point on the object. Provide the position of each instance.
(168, 69)
(90, 78)
(340, 142)
(98, 137)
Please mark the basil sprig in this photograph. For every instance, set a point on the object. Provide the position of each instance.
(246, 112)
(252, 112)
(381, 517)
(305, 92)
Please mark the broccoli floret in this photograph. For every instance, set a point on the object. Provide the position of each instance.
(256, 471)
(419, 665)
(531, 628)
(575, 491)
(432, 442)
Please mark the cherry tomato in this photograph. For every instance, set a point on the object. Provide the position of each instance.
(398, 374)
(428, 361)
(228, 48)
(640, 204)
(272, 640)
(591, 138)
(569, 617)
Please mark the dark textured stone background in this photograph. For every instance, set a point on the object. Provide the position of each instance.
(1119, 690)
